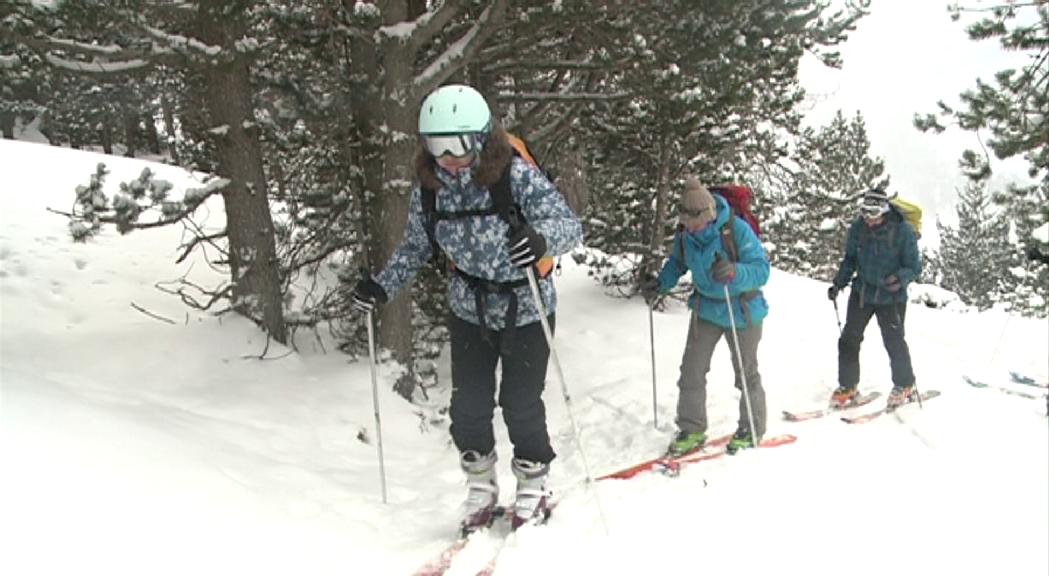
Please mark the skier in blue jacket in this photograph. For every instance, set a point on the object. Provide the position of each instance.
(463, 153)
(881, 259)
(699, 248)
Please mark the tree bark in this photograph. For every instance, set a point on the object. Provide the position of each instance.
(7, 125)
(152, 136)
(382, 109)
(400, 111)
(651, 261)
(130, 131)
(106, 135)
(169, 128)
(227, 93)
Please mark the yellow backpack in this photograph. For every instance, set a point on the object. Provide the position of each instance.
(910, 211)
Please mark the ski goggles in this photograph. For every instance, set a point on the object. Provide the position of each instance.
(704, 212)
(873, 209)
(454, 145)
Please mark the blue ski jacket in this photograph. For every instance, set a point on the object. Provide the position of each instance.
(874, 255)
(695, 252)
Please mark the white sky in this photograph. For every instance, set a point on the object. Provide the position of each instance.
(131, 446)
(902, 59)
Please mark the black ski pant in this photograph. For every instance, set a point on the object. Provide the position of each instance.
(890, 320)
(523, 352)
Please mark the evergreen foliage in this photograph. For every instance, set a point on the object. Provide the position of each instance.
(1012, 112)
(619, 100)
(975, 258)
(812, 209)
(711, 91)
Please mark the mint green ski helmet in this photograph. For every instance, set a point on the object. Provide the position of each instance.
(454, 109)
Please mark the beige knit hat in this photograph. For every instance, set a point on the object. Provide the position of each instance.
(697, 207)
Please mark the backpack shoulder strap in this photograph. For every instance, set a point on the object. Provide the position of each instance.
(429, 203)
(728, 238)
(503, 198)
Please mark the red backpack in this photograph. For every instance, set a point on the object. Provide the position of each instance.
(738, 198)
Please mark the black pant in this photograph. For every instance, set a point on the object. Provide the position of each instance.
(524, 353)
(890, 320)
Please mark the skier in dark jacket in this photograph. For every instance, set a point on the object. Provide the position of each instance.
(881, 259)
(463, 153)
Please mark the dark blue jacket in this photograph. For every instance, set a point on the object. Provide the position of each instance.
(873, 255)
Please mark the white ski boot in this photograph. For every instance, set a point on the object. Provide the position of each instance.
(533, 499)
(482, 490)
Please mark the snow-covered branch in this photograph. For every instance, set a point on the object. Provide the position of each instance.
(462, 50)
(562, 96)
(545, 65)
(98, 66)
(183, 44)
(425, 27)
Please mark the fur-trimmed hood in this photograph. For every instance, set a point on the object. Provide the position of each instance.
(494, 158)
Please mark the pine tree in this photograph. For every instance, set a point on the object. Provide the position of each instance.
(711, 90)
(975, 258)
(23, 80)
(813, 208)
(1013, 113)
(212, 43)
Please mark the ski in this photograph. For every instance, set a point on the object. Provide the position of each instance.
(1002, 389)
(1027, 380)
(663, 462)
(674, 468)
(812, 414)
(872, 415)
(489, 568)
(443, 561)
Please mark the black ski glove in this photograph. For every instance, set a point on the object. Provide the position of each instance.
(832, 292)
(526, 246)
(723, 271)
(367, 294)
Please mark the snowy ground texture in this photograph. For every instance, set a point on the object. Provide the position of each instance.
(135, 446)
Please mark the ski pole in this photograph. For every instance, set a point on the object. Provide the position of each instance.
(652, 347)
(375, 403)
(837, 316)
(538, 299)
(739, 364)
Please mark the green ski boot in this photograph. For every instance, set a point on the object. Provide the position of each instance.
(685, 443)
(740, 440)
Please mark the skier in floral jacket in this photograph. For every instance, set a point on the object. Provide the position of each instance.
(463, 154)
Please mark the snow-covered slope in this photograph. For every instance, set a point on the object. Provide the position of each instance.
(131, 445)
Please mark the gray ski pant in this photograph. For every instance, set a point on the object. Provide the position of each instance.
(703, 337)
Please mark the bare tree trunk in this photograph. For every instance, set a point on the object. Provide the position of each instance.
(249, 227)
(7, 125)
(169, 128)
(401, 119)
(152, 136)
(384, 160)
(651, 261)
(106, 135)
(130, 131)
